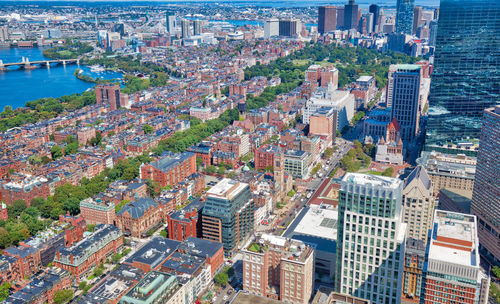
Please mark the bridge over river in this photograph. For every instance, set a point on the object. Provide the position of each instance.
(27, 64)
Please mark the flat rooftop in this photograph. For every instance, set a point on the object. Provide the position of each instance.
(243, 298)
(374, 180)
(454, 238)
(226, 188)
(318, 222)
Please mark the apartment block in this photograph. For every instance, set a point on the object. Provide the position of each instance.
(370, 238)
(170, 169)
(279, 268)
(97, 211)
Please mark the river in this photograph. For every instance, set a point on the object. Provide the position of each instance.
(19, 86)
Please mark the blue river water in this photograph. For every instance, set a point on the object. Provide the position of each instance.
(19, 86)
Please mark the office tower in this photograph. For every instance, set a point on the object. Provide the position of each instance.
(466, 74)
(279, 268)
(436, 13)
(486, 194)
(271, 28)
(170, 19)
(119, 28)
(453, 270)
(351, 14)
(228, 215)
(327, 19)
(340, 17)
(366, 24)
(404, 16)
(289, 27)
(370, 238)
(375, 10)
(185, 28)
(413, 271)
(418, 205)
(405, 99)
(417, 18)
(433, 26)
(197, 25)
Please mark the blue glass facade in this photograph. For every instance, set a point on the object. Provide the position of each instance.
(404, 16)
(466, 75)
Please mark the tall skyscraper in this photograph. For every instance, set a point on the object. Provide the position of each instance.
(404, 16)
(486, 194)
(366, 24)
(271, 28)
(170, 19)
(417, 18)
(351, 14)
(327, 19)
(418, 204)
(370, 238)
(197, 25)
(466, 74)
(453, 270)
(340, 17)
(228, 215)
(109, 95)
(406, 99)
(433, 26)
(186, 28)
(289, 27)
(375, 10)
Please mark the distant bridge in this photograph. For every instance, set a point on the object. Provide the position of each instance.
(27, 64)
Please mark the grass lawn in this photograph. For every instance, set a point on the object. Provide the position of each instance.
(373, 172)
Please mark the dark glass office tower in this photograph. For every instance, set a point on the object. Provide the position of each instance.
(404, 16)
(466, 75)
(327, 19)
(351, 12)
(375, 10)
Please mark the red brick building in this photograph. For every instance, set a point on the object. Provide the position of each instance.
(97, 212)
(170, 169)
(27, 260)
(24, 187)
(137, 217)
(109, 95)
(85, 255)
(74, 233)
(264, 156)
(185, 223)
(4, 215)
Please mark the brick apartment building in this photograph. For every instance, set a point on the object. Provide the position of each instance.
(170, 169)
(186, 222)
(274, 261)
(90, 252)
(264, 156)
(109, 95)
(23, 187)
(97, 211)
(74, 233)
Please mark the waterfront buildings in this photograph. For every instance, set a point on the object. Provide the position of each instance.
(89, 252)
(486, 194)
(279, 268)
(169, 169)
(404, 16)
(453, 270)
(327, 19)
(406, 99)
(228, 215)
(449, 171)
(370, 238)
(418, 204)
(466, 75)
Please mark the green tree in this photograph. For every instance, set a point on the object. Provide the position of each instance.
(63, 296)
(56, 152)
(17, 207)
(148, 129)
(221, 278)
(388, 172)
(4, 291)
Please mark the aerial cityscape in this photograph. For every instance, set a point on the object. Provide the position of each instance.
(250, 152)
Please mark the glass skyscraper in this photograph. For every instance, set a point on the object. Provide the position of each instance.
(404, 16)
(466, 75)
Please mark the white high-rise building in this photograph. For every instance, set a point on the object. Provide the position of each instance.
(341, 101)
(271, 28)
(370, 238)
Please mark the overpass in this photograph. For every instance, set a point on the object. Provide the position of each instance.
(27, 64)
